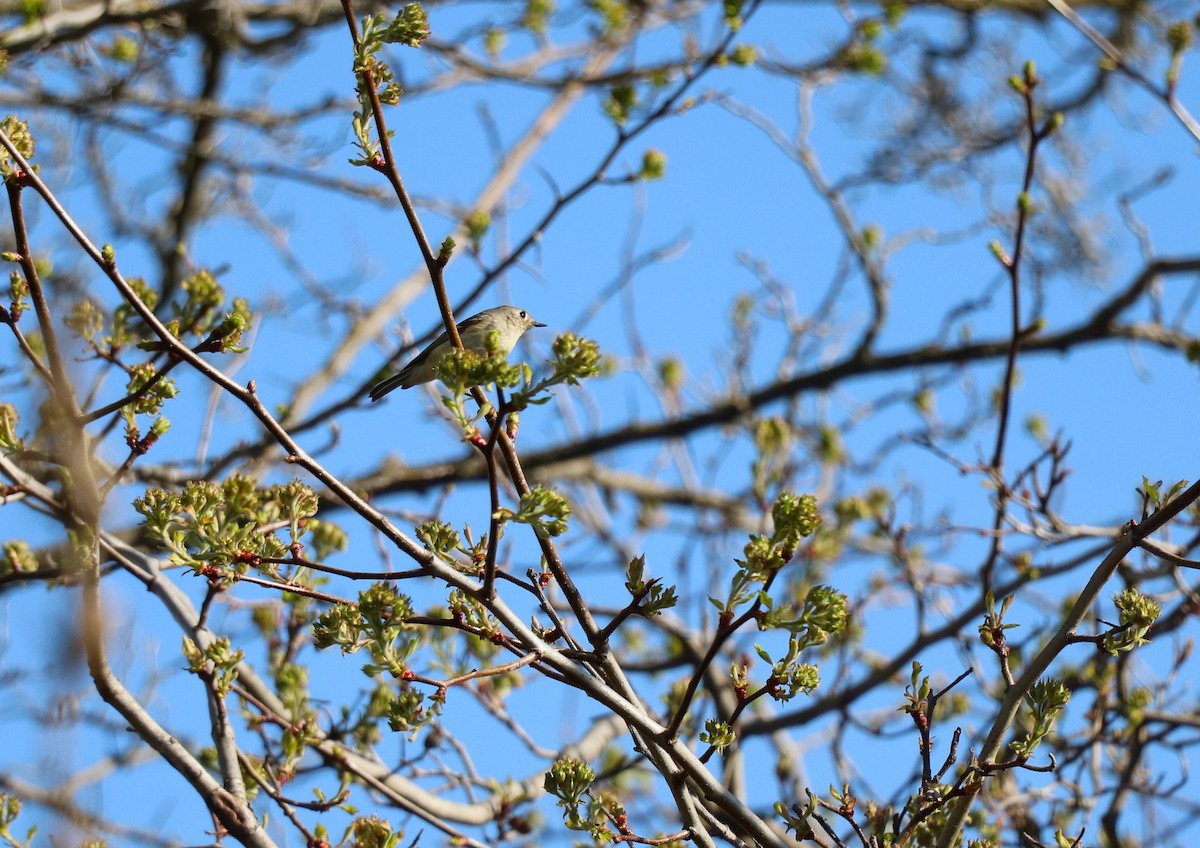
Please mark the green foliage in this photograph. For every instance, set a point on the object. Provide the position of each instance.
(718, 734)
(654, 165)
(125, 319)
(440, 538)
(543, 509)
(86, 320)
(1046, 700)
(18, 294)
(570, 781)
(796, 818)
(10, 808)
(18, 133)
(743, 55)
(537, 15)
(149, 389)
(371, 832)
(917, 692)
(772, 453)
(830, 447)
(222, 529)
(573, 359)
(654, 597)
(378, 622)
(862, 55)
(463, 370)
(795, 517)
(733, 14)
(216, 662)
(325, 538)
(671, 373)
(1137, 615)
(991, 631)
(228, 332)
(614, 14)
(197, 318)
(10, 440)
(122, 49)
(1179, 37)
(789, 677)
(473, 614)
(864, 59)
(1154, 494)
(494, 41)
(410, 27)
(824, 612)
(16, 557)
(621, 101)
(406, 712)
(477, 223)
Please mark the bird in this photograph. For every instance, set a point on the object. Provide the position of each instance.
(511, 322)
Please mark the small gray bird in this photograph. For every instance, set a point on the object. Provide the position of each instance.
(510, 322)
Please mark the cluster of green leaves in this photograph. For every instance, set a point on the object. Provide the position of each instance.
(795, 517)
(718, 734)
(654, 596)
(827, 544)
(809, 623)
(1046, 700)
(863, 54)
(1156, 496)
(654, 165)
(10, 441)
(199, 318)
(543, 509)
(410, 27)
(772, 454)
(809, 619)
(200, 315)
(16, 557)
(992, 630)
(796, 818)
(18, 292)
(1180, 36)
(19, 134)
(623, 99)
(463, 370)
(916, 694)
(381, 623)
(10, 808)
(573, 359)
(1137, 615)
(472, 613)
(570, 780)
(371, 832)
(444, 541)
(217, 662)
(537, 15)
(221, 529)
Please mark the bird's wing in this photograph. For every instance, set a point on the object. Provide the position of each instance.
(473, 321)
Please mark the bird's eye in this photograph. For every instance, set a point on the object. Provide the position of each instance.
(523, 315)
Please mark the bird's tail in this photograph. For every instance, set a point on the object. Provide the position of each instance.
(381, 388)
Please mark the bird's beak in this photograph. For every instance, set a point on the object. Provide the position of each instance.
(538, 324)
